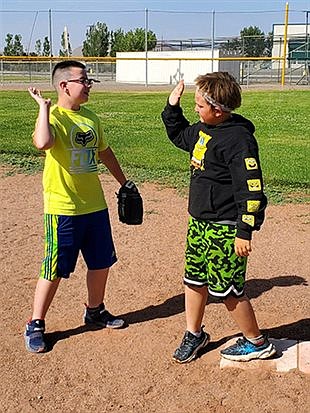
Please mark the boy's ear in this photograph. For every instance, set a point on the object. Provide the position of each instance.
(218, 112)
(62, 84)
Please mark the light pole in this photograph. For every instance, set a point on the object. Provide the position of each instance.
(307, 47)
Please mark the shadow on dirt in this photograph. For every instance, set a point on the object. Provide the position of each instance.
(256, 287)
(299, 330)
(170, 307)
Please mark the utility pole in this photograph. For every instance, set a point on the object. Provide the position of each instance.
(146, 28)
(51, 42)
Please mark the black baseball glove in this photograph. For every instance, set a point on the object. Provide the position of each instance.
(130, 204)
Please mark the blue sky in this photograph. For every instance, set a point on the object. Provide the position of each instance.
(169, 19)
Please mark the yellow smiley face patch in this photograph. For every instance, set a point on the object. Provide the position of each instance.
(254, 185)
(253, 206)
(248, 219)
(250, 164)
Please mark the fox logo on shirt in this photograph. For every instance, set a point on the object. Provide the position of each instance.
(83, 138)
(83, 151)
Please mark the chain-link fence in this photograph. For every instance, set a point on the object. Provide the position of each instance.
(38, 70)
(287, 43)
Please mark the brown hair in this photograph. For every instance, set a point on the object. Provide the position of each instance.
(221, 87)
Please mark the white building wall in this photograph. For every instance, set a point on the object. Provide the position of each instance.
(293, 31)
(164, 71)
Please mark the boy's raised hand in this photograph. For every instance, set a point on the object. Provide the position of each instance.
(36, 95)
(176, 94)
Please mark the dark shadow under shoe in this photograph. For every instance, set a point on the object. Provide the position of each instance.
(190, 346)
(34, 336)
(101, 318)
(244, 350)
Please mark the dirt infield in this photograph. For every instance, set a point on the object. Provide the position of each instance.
(131, 370)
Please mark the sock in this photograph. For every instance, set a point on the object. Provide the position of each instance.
(257, 341)
(196, 333)
(95, 310)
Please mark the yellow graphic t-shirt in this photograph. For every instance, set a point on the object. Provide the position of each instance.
(71, 184)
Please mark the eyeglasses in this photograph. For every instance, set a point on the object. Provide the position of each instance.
(84, 81)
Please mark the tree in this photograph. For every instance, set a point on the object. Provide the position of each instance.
(8, 49)
(97, 40)
(18, 47)
(135, 40)
(14, 45)
(46, 47)
(253, 41)
(132, 41)
(38, 47)
(268, 44)
(65, 44)
(117, 42)
(232, 45)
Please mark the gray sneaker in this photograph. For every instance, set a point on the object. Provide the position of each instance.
(100, 317)
(34, 336)
(190, 346)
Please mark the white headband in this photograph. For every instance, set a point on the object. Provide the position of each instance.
(215, 103)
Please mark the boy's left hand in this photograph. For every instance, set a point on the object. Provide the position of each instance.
(176, 94)
(36, 95)
(242, 247)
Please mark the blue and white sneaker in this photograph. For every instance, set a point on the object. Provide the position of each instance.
(244, 350)
(34, 336)
(100, 317)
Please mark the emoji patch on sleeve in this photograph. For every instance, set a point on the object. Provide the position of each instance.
(250, 164)
(254, 185)
(252, 206)
(248, 219)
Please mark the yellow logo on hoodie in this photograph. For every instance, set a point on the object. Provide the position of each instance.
(200, 150)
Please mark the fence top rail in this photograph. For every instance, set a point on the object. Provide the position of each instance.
(21, 59)
(56, 58)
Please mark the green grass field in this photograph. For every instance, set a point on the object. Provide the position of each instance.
(135, 131)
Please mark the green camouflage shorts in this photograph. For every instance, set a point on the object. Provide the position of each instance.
(210, 259)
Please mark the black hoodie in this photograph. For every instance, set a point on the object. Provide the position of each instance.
(226, 179)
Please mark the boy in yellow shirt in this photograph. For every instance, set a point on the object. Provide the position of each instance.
(75, 211)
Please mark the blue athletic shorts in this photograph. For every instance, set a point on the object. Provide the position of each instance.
(66, 236)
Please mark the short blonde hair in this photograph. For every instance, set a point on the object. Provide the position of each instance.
(220, 89)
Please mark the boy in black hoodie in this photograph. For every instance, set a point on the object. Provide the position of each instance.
(226, 203)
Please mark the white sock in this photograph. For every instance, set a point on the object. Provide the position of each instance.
(257, 341)
(196, 333)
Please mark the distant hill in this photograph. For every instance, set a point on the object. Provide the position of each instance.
(77, 51)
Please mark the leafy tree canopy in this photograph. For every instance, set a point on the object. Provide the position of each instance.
(97, 40)
(46, 47)
(252, 43)
(13, 45)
